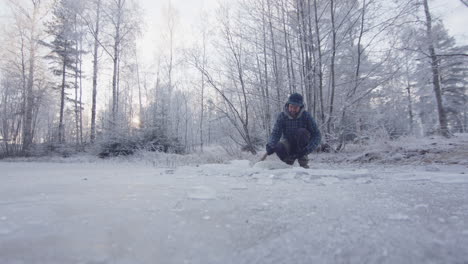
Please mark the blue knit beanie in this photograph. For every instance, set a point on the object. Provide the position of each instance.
(296, 99)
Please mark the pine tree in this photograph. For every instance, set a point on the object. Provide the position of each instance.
(63, 52)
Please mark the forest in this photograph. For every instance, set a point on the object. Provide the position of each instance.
(73, 77)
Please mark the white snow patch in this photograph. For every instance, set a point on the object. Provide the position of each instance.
(302, 212)
(238, 186)
(339, 172)
(240, 163)
(201, 193)
(7, 228)
(291, 175)
(5, 231)
(421, 206)
(432, 168)
(398, 217)
(271, 165)
(364, 180)
(328, 180)
(266, 180)
(438, 177)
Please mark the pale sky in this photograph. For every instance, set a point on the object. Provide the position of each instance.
(453, 13)
(455, 17)
(188, 17)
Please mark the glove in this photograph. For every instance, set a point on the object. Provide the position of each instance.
(269, 149)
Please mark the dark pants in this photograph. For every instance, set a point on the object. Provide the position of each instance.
(287, 149)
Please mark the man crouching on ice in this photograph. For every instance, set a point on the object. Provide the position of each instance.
(299, 130)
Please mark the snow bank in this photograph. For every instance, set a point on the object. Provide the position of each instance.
(405, 150)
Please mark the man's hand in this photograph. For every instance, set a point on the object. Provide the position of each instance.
(269, 149)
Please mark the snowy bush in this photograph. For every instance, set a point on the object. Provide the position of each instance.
(156, 140)
(210, 155)
(117, 147)
(151, 140)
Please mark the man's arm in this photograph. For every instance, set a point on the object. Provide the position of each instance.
(315, 134)
(275, 135)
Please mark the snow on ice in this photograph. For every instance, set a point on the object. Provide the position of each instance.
(239, 212)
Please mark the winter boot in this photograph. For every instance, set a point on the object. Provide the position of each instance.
(303, 162)
(283, 149)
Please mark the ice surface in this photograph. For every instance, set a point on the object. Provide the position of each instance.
(398, 216)
(239, 212)
(202, 193)
(434, 177)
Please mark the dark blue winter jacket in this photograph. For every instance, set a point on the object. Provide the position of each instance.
(286, 126)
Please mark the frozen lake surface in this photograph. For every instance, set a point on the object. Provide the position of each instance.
(110, 212)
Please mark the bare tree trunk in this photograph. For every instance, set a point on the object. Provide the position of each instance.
(312, 103)
(410, 101)
(435, 73)
(293, 74)
(5, 131)
(275, 60)
(77, 115)
(245, 122)
(61, 128)
(81, 91)
(357, 73)
(266, 83)
(95, 71)
(29, 103)
(209, 125)
(115, 60)
(306, 50)
(114, 86)
(301, 44)
(332, 67)
(286, 47)
(410, 109)
(140, 103)
(24, 84)
(359, 52)
(262, 89)
(311, 68)
(465, 113)
(186, 123)
(166, 104)
(319, 61)
(202, 103)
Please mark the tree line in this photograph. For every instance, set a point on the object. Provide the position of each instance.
(72, 76)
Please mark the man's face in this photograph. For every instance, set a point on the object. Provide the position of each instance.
(293, 109)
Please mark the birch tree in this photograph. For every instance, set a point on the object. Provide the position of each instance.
(94, 29)
(123, 17)
(27, 20)
(435, 72)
